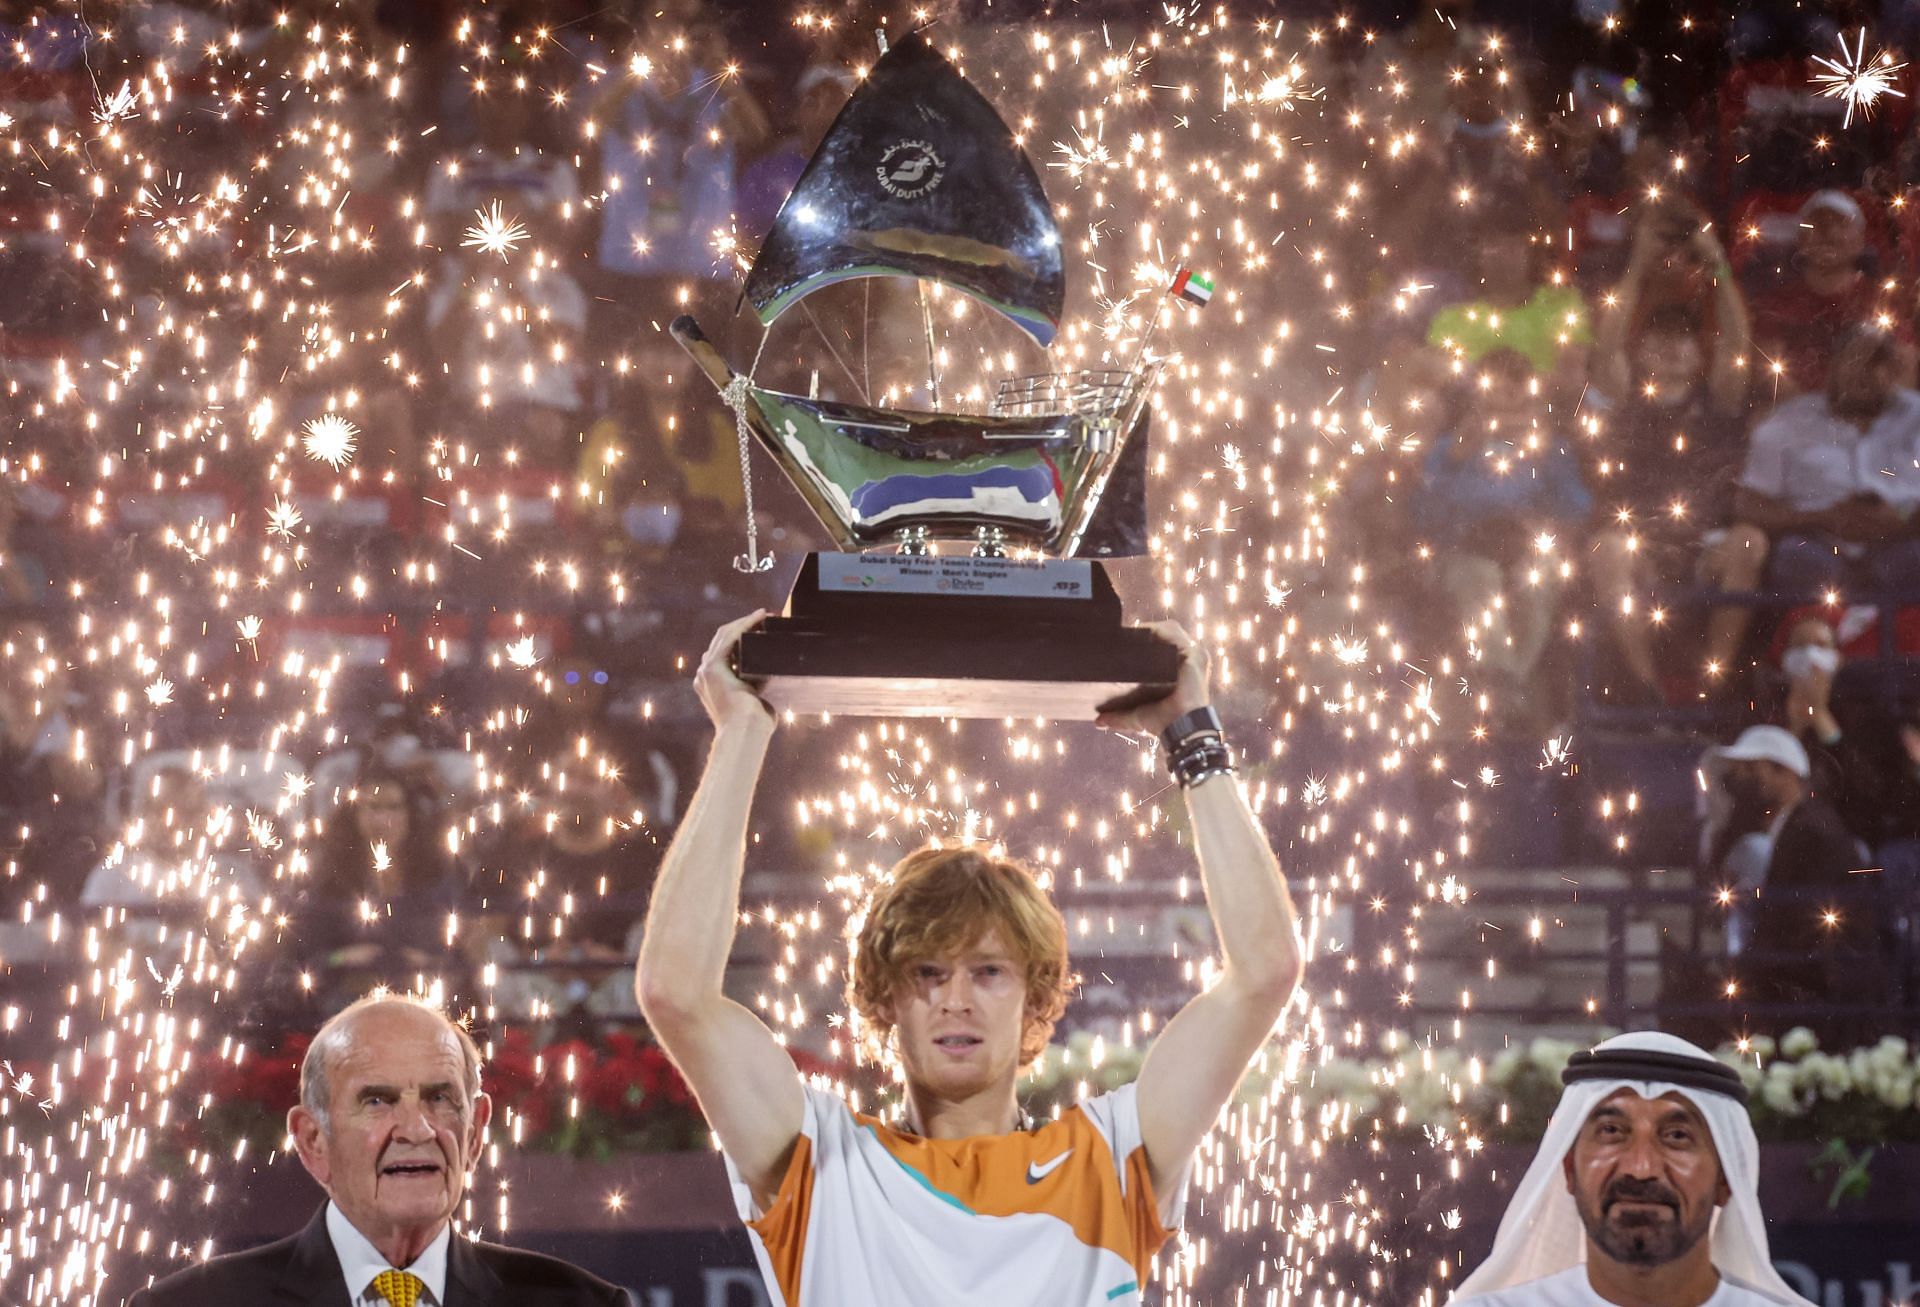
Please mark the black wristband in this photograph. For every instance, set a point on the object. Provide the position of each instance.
(1203, 768)
(1201, 720)
(1205, 756)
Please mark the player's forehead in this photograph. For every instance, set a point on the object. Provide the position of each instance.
(990, 945)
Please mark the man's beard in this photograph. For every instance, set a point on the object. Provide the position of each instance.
(1643, 1237)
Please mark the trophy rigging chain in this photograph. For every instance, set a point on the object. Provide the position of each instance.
(737, 399)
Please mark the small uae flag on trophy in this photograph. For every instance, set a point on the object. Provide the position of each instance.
(1192, 287)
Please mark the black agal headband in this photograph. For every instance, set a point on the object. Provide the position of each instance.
(1646, 1064)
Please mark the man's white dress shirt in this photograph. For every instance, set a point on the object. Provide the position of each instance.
(1810, 459)
(360, 1261)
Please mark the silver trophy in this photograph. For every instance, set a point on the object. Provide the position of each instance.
(919, 178)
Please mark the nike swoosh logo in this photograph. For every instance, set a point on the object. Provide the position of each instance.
(1038, 1171)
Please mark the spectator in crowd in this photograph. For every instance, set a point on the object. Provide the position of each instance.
(1597, 143)
(1686, 268)
(552, 865)
(29, 558)
(1673, 384)
(1607, 168)
(1898, 801)
(1846, 762)
(1464, 90)
(510, 339)
(1486, 167)
(1828, 492)
(1809, 661)
(383, 886)
(669, 165)
(569, 850)
(50, 791)
(163, 856)
(1867, 764)
(568, 843)
(359, 190)
(508, 334)
(380, 841)
(594, 787)
(1784, 29)
(51, 305)
(1491, 492)
(1734, 846)
(1804, 929)
(506, 165)
(670, 172)
(1802, 312)
(1518, 306)
(821, 92)
(1652, 346)
(1410, 67)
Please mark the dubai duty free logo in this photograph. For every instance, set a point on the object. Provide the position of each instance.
(909, 169)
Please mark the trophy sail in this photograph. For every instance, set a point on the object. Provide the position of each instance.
(918, 177)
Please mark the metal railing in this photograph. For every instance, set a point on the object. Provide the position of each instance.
(1593, 938)
(1686, 965)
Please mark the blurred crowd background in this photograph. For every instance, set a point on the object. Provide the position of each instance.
(1641, 241)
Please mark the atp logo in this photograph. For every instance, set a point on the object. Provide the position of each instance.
(910, 169)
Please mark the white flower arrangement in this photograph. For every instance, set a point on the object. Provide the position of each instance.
(1450, 1093)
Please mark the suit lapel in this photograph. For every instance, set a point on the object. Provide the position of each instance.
(312, 1275)
(470, 1281)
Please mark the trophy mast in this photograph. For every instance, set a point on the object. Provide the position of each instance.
(926, 323)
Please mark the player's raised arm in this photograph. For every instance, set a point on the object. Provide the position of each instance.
(744, 1079)
(1197, 1062)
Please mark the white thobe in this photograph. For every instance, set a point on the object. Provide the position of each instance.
(1570, 1288)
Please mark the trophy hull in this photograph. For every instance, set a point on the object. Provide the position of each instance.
(954, 637)
(1033, 477)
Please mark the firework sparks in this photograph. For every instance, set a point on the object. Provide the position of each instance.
(119, 105)
(1259, 453)
(1855, 79)
(260, 829)
(283, 518)
(493, 232)
(331, 439)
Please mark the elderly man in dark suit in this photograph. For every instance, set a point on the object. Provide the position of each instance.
(389, 1122)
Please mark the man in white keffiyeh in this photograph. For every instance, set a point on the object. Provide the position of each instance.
(1645, 1192)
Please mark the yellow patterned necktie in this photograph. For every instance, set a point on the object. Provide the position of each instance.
(399, 1288)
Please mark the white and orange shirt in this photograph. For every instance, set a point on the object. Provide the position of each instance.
(1062, 1215)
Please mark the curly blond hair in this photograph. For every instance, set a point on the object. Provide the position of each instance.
(939, 901)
